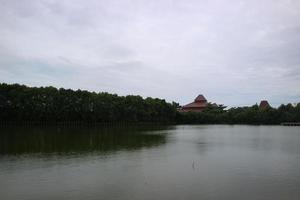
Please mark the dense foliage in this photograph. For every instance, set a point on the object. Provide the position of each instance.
(22, 103)
(243, 115)
(19, 103)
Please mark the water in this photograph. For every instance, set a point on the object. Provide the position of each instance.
(161, 162)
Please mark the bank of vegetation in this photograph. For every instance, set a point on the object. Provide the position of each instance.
(19, 103)
(243, 115)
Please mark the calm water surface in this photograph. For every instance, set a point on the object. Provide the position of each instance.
(172, 162)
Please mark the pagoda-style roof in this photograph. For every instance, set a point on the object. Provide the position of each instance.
(199, 102)
(200, 98)
(195, 105)
(264, 104)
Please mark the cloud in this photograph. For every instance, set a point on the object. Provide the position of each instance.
(236, 54)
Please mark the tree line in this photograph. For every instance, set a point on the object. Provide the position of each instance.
(243, 115)
(22, 103)
(19, 103)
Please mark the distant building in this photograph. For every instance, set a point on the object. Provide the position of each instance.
(264, 104)
(199, 104)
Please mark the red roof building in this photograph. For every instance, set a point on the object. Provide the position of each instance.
(264, 104)
(199, 104)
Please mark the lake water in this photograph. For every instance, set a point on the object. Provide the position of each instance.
(160, 162)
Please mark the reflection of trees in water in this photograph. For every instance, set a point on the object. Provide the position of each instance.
(79, 139)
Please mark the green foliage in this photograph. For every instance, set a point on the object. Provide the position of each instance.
(21, 103)
(242, 115)
(47, 104)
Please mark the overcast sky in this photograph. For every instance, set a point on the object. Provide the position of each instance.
(234, 52)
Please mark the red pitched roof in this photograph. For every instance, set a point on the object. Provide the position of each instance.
(264, 104)
(195, 105)
(199, 102)
(200, 98)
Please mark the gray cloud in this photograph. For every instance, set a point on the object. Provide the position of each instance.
(235, 53)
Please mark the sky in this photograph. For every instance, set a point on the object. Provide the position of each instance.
(234, 52)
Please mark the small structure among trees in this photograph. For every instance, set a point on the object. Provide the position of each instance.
(199, 104)
(264, 104)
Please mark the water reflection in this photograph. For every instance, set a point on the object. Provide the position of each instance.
(79, 139)
(186, 162)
